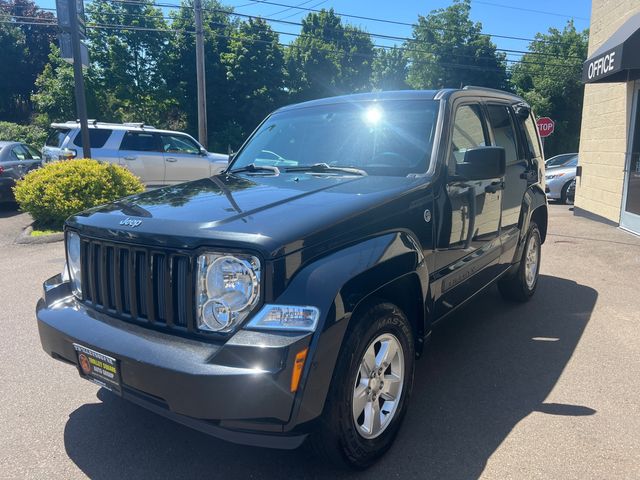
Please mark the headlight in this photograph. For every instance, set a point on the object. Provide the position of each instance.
(552, 176)
(73, 262)
(228, 289)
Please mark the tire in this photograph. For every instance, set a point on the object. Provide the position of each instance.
(565, 198)
(341, 438)
(518, 286)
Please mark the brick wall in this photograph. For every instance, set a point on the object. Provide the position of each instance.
(605, 119)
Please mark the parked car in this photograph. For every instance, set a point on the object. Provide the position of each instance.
(559, 160)
(560, 182)
(16, 160)
(158, 157)
(289, 297)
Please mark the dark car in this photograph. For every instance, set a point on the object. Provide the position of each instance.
(16, 160)
(289, 297)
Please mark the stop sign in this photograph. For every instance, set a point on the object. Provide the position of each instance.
(545, 126)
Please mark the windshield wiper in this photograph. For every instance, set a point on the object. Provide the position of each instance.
(325, 168)
(252, 167)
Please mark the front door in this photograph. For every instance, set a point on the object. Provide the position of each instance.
(468, 239)
(141, 153)
(630, 216)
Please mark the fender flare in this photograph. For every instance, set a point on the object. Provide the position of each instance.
(337, 284)
(534, 198)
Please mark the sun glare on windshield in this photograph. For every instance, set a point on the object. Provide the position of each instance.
(372, 115)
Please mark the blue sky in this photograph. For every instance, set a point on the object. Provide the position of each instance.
(515, 18)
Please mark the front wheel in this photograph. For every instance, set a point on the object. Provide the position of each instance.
(370, 389)
(521, 285)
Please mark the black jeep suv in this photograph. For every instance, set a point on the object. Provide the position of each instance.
(289, 296)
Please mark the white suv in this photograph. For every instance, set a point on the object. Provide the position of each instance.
(158, 157)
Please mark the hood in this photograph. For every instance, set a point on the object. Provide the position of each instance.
(273, 214)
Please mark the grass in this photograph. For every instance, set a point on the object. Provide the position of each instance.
(42, 233)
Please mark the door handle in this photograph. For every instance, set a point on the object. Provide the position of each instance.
(171, 159)
(494, 187)
(129, 158)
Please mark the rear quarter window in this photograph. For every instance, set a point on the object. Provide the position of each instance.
(97, 137)
(56, 137)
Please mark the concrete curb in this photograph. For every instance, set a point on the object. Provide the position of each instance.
(25, 237)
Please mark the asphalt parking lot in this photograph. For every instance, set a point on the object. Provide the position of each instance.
(546, 390)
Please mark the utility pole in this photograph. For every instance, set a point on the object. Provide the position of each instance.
(81, 101)
(200, 74)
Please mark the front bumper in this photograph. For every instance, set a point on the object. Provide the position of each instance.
(238, 390)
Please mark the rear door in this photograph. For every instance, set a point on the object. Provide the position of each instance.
(141, 152)
(183, 158)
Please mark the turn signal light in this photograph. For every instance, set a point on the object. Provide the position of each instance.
(298, 366)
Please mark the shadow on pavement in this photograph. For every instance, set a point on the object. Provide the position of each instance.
(9, 210)
(489, 367)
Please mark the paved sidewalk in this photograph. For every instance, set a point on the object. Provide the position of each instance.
(546, 390)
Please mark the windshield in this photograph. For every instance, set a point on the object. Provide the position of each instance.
(391, 138)
(560, 159)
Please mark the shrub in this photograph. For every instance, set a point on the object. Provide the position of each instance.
(53, 193)
(30, 134)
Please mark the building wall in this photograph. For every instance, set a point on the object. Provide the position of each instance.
(605, 119)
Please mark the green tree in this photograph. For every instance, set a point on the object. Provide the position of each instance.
(131, 62)
(328, 58)
(53, 99)
(25, 48)
(389, 70)
(549, 78)
(181, 74)
(449, 50)
(255, 72)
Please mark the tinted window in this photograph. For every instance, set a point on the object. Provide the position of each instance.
(179, 144)
(559, 160)
(56, 137)
(503, 131)
(468, 132)
(383, 138)
(35, 154)
(572, 163)
(97, 137)
(141, 142)
(531, 134)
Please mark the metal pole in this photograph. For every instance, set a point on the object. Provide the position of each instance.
(81, 101)
(200, 74)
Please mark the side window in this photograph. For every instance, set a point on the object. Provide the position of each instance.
(35, 154)
(503, 132)
(140, 142)
(468, 131)
(56, 137)
(20, 153)
(97, 137)
(531, 133)
(179, 144)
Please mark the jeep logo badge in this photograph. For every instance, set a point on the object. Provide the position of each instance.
(129, 222)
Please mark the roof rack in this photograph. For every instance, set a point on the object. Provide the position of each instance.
(93, 122)
(488, 89)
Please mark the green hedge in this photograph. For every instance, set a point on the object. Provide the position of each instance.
(30, 134)
(53, 193)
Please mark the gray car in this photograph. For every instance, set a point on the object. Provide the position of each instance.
(157, 157)
(16, 159)
(560, 181)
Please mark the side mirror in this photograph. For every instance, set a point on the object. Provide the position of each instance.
(522, 110)
(482, 163)
(203, 152)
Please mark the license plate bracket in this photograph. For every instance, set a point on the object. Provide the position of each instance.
(98, 368)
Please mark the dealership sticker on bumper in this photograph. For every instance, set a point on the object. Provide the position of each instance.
(98, 368)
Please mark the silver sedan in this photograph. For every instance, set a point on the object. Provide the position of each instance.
(560, 181)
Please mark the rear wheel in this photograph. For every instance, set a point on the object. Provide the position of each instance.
(521, 284)
(370, 389)
(568, 192)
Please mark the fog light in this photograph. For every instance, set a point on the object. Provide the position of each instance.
(285, 317)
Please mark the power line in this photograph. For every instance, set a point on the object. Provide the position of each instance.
(531, 10)
(375, 35)
(359, 17)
